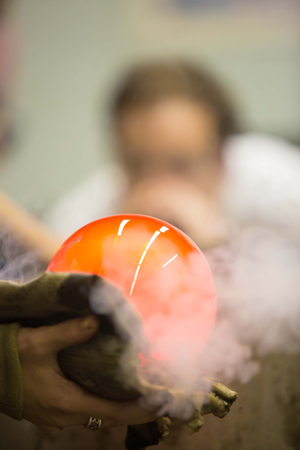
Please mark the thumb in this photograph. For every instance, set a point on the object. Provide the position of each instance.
(54, 338)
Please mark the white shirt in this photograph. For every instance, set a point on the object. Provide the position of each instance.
(262, 182)
(261, 185)
(96, 197)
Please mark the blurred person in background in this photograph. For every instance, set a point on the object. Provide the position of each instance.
(181, 159)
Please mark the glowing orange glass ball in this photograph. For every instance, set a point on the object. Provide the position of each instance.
(161, 272)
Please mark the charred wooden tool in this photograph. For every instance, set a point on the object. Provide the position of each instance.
(108, 364)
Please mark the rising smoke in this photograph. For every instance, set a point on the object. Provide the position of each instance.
(258, 285)
(16, 262)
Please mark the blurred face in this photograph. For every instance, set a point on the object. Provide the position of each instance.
(175, 137)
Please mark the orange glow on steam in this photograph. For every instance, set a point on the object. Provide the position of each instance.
(161, 272)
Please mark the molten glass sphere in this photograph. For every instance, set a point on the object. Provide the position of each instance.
(161, 272)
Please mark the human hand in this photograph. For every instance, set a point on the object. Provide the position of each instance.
(50, 400)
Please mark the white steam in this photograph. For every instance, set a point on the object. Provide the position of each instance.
(258, 285)
(169, 388)
(17, 263)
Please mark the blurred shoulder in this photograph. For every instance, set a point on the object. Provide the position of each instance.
(257, 150)
(262, 181)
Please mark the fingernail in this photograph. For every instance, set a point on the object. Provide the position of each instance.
(88, 323)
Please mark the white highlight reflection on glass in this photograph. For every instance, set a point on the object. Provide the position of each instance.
(157, 233)
(163, 229)
(172, 259)
(137, 271)
(122, 225)
(143, 256)
(132, 286)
